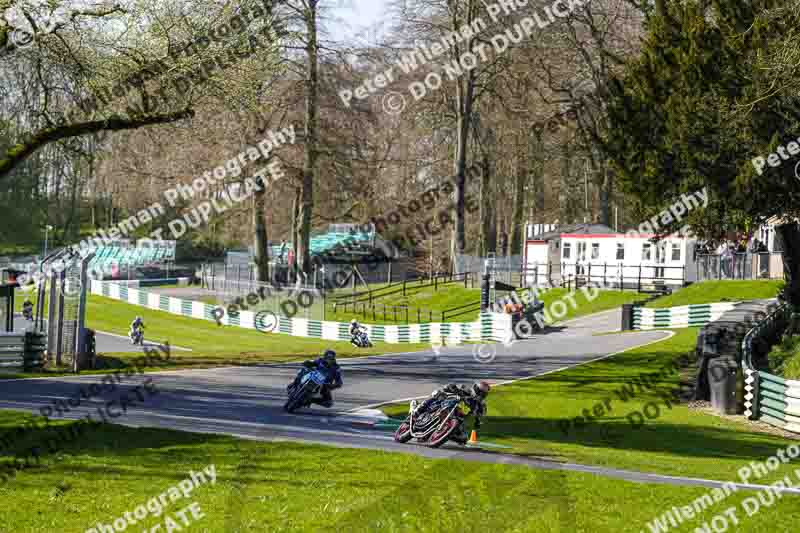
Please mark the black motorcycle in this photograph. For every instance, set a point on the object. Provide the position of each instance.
(442, 419)
(137, 337)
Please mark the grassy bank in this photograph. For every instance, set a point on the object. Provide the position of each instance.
(212, 344)
(603, 301)
(532, 416)
(706, 292)
(290, 487)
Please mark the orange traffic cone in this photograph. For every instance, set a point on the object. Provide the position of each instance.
(473, 437)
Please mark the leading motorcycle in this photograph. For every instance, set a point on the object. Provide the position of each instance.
(442, 419)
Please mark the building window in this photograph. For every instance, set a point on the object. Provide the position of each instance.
(676, 251)
(595, 250)
(620, 251)
(646, 252)
(567, 250)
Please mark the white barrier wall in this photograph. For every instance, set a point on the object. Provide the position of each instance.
(489, 326)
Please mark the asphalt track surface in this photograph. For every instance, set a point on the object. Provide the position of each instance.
(247, 401)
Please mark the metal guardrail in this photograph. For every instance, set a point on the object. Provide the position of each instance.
(769, 398)
(24, 350)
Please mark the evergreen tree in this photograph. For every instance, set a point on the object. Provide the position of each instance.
(694, 111)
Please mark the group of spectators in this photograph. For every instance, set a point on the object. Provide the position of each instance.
(731, 253)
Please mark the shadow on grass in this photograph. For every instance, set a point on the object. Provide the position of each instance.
(81, 441)
(617, 433)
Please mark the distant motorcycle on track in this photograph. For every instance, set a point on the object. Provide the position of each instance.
(360, 339)
(137, 337)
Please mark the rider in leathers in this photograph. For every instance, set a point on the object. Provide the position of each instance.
(474, 396)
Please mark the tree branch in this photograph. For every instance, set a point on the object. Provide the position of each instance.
(19, 152)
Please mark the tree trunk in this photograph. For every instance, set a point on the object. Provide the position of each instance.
(303, 257)
(488, 241)
(290, 276)
(260, 240)
(518, 217)
(465, 93)
(605, 195)
(503, 251)
(789, 235)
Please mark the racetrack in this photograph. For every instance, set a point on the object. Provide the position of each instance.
(247, 401)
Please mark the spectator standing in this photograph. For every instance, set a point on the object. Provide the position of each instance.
(282, 251)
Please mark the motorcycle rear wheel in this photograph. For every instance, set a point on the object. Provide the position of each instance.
(440, 436)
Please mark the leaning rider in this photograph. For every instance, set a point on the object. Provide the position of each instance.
(136, 324)
(326, 364)
(355, 327)
(27, 307)
(474, 396)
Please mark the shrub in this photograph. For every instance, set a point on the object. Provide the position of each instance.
(784, 358)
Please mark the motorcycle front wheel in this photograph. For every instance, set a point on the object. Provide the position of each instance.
(296, 400)
(403, 433)
(441, 435)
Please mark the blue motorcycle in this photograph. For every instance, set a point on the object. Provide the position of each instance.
(300, 395)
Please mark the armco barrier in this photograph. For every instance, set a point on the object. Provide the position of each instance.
(488, 327)
(679, 317)
(770, 398)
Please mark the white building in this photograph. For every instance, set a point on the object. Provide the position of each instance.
(596, 252)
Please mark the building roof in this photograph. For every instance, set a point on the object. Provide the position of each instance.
(585, 229)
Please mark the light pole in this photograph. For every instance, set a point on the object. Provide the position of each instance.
(46, 231)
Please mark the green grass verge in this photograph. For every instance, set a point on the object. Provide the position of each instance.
(707, 292)
(455, 295)
(293, 487)
(526, 416)
(212, 344)
(429, 300)
(604, 301)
